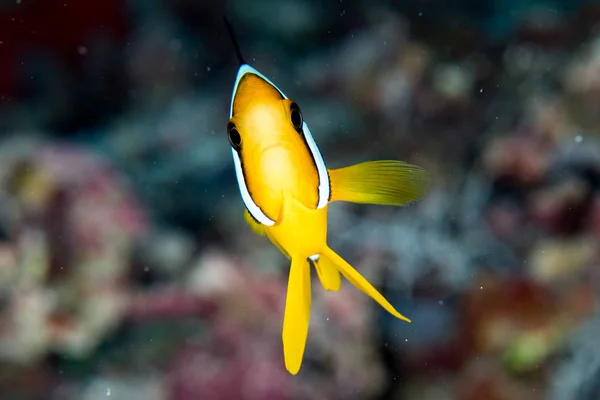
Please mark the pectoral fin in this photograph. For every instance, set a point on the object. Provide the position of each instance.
(384, 182)
(279, 246)
(256, 226)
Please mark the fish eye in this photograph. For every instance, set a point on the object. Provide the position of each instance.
(235, 139)
(296, 117)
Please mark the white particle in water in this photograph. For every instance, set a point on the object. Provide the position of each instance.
(578, 138)
(108, 392)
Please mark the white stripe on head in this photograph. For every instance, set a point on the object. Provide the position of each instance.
(252, 207)
(243, 70)
(321, 168)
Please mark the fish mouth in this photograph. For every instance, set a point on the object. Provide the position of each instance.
(278, 146)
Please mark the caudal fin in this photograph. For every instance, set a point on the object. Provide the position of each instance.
(328, 274)
(385, 182)
(360, 282)
(297, 314)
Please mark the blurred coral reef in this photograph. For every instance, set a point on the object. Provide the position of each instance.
(126, 270)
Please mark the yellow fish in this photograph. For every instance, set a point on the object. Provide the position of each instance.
(286, 188)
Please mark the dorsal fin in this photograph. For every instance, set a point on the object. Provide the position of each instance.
(233, 38)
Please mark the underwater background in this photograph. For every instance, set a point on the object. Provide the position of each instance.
(126, 268)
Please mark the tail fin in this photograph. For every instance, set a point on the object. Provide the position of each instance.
(297, 314)
(328, 274)
(360, 282)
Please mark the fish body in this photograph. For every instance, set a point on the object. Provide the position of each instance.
(286, 188)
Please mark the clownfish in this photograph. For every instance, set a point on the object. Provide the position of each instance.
(286, 188)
